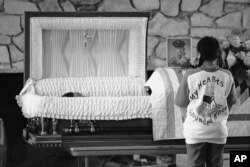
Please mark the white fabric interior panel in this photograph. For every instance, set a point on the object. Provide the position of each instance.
(79, 57)
(113, 30)
(36, 66)
(141, 59)
(110, 62)
(137, 58)
(124, 51)
(71, 23)
(54, 61)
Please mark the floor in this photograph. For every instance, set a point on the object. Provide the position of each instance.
(181, 160)
(21, 154)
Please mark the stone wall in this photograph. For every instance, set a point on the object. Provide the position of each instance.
(169, 18)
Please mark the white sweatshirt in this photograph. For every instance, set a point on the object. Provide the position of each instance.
(206, 93)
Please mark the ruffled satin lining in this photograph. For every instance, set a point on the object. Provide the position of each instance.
(109, 98)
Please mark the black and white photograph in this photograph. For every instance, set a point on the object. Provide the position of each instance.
(179, 51)
(124, 83)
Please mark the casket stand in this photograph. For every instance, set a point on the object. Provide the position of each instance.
(101, 57)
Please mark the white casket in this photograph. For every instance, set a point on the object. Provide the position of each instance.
(101, 56)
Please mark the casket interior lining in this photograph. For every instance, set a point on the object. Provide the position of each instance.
(65, 38)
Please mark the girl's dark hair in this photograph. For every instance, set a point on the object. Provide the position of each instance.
(209, 49)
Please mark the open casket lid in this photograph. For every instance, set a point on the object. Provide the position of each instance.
(38, 25)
